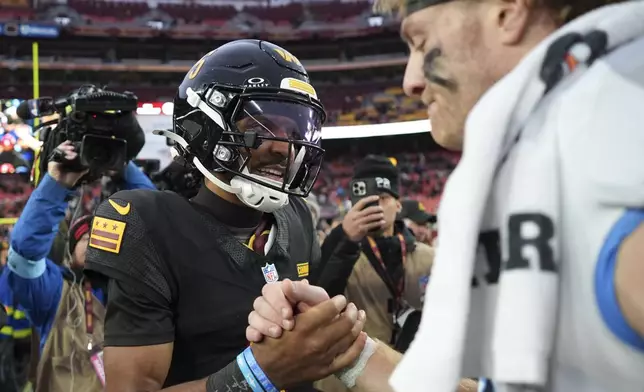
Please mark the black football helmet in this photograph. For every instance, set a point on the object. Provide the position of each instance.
(247, 109)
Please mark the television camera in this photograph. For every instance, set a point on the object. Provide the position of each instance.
(101, 125)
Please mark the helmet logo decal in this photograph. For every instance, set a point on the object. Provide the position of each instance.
(299, 86)
(194, 71)
(289, 58)
(256, 82)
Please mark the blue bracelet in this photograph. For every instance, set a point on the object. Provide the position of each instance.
(258, 372)
(248, 374)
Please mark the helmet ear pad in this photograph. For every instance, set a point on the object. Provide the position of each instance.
(202, 139)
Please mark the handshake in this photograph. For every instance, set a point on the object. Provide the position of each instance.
(299, 334)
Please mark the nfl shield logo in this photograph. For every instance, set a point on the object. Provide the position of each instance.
(270, 273)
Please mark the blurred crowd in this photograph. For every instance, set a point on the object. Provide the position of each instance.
(422, 177)
(14, 192)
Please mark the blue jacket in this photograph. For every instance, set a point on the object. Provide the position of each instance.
(18, 325)
(36, 282)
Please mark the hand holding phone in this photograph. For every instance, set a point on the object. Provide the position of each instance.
(364, 217)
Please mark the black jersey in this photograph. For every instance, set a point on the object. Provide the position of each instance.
(178, 274)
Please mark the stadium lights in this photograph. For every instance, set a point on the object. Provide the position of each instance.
(376, 130)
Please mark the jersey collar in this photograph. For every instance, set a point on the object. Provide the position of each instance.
(230, 214)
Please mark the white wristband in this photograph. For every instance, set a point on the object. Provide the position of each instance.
(348, 376)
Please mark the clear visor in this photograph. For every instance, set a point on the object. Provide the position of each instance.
(290, 133)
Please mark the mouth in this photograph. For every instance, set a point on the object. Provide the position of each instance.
(272, 173)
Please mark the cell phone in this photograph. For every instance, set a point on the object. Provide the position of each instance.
(361, 188)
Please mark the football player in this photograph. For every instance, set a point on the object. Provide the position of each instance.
(589, 93)
(183, 274)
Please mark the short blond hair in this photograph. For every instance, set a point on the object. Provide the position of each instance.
(565, 10)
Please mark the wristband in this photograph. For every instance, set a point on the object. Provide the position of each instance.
(248, 374)
(348, 376)
(226, 379)
(258, 372)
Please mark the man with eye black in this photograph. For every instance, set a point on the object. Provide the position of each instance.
(536, 283)
(183, 274)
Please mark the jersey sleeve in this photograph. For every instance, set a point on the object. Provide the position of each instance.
(122, 249)
(601, 145)
(136, 319)
(600, 128)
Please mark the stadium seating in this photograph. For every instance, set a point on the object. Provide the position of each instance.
(370, 104)
(109, 11)
(350, 104)
(337, 11)
(195, 13)
(423, 176)
(191, 12)
(16, 10)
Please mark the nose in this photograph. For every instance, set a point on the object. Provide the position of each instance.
(279, 149)
(414, 80)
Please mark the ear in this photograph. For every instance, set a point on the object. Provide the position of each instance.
(398, 206)
(512, 19)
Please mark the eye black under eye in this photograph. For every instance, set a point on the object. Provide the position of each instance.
(430, 58)
(430, 72)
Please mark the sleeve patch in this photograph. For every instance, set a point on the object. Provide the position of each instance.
(107, 234)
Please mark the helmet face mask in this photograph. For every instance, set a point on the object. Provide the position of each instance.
(287, 136)
(247, 110)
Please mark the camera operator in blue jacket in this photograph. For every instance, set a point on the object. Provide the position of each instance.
(61, 304)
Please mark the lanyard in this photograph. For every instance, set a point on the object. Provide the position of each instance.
(397, 289)
(89, 310)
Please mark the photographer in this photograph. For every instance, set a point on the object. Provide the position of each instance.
(65, 309)
(376, 262)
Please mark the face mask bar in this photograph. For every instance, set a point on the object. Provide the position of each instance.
(301, 156)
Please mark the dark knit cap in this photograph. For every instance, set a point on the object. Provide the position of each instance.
(377, 166)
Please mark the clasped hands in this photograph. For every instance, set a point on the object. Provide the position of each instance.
(299, 334)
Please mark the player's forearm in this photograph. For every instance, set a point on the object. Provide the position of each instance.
(193, 386)
(375, 377)
(227, 379)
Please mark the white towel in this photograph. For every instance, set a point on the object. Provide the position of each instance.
(525, 320)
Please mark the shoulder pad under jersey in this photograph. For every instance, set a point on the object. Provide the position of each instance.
(122, 240)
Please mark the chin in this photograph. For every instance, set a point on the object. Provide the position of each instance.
(448, 138)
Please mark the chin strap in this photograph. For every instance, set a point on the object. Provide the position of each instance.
(258, 196)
